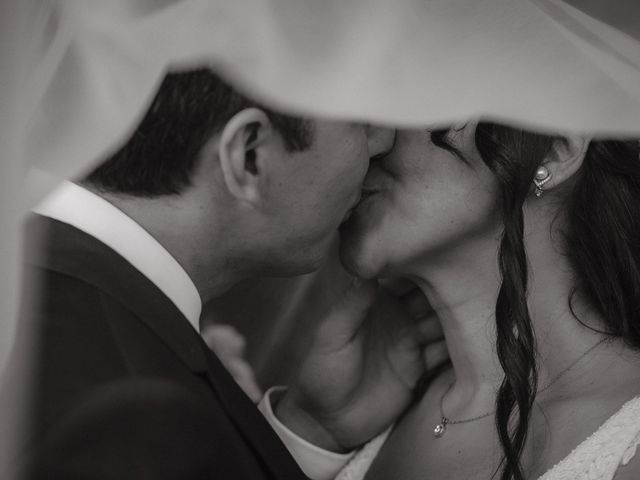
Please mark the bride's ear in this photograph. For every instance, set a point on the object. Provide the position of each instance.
(564, 159)
(241, 153)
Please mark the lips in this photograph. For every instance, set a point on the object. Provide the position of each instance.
(351, 209)
(367, 192)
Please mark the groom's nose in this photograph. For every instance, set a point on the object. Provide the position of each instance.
(380, 140)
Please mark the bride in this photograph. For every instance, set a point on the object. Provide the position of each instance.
(528, 248)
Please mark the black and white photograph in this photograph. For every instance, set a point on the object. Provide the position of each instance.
(320, 239)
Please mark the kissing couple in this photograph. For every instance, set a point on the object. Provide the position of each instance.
(522, 248)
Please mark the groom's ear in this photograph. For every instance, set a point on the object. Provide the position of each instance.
(242, 151)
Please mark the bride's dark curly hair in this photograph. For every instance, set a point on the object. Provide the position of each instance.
(602, 243)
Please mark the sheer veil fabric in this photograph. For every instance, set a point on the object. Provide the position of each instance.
(541, 63)
(88, 69)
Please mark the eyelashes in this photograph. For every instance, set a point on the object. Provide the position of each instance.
(441, 139)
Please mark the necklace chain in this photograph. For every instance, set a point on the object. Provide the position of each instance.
(441, 428)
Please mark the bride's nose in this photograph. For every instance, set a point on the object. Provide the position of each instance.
(380, 140)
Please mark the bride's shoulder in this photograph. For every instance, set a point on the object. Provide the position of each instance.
(631, 471)
(610, 452)
(629, 468)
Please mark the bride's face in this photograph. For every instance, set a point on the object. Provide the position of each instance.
(421, 202)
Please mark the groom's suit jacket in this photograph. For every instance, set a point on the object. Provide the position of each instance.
(123, 386)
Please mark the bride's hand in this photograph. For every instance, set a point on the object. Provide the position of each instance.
(359, 374)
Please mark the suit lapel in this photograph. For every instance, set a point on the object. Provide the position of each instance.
(250, 422)
(62, 248)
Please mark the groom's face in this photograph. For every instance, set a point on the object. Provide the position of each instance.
(317, 188)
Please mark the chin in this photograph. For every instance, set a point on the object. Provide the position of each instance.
(356, 256)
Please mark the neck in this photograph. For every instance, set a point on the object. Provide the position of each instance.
(462, 287)
(203, 250)
(561, 337)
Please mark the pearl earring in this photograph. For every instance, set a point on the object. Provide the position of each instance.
(542, 176)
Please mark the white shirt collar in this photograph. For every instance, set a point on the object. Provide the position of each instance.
(86, 211)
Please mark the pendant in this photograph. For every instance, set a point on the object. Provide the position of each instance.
(441, 428)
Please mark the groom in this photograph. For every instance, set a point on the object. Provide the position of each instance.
(210, 189)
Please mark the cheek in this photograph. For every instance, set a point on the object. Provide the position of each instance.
(449, 215)
(355, 163)
(343, 177)
(332, 191)
(374, 231)
(395, 228)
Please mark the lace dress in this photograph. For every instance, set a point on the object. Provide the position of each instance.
(597, 458)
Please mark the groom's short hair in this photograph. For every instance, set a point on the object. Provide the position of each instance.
(160, 156)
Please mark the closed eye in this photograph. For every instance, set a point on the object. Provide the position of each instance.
(440, 138)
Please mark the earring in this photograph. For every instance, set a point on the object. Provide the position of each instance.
(542, 176)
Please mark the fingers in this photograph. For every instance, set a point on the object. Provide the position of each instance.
(229, 345)
(398, 287)
(342, 323)
(429, 329)
(434, 350)
(435, 354)
(360, 295)
(416, 303)
(355, 303)
(224, 340)
(243, 374)
(409, 294)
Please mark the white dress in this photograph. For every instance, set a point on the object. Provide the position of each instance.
(597, 458)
